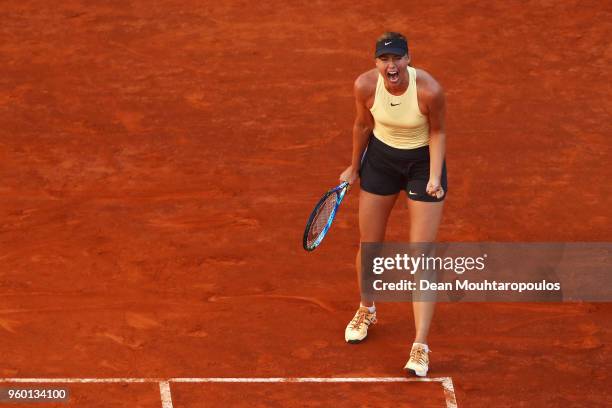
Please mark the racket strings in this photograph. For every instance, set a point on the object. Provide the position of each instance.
(321, 218)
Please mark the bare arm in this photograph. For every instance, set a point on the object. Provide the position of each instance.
(362, 128)
(436, 107)
(437, 133)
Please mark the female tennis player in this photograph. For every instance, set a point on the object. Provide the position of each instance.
(398, 144)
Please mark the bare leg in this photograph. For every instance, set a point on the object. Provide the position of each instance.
(374, 212)
(425, 218)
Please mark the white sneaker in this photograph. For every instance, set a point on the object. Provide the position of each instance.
(419, 360)
(357, 329)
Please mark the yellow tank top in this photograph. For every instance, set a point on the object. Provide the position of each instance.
(398, 121)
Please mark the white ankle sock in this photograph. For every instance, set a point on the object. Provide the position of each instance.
(371, 309)
(425, 346)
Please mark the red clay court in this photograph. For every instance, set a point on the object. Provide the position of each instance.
(159, 160)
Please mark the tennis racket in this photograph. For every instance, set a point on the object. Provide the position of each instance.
(323, 215)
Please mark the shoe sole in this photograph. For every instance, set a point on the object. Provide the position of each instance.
(413, 372)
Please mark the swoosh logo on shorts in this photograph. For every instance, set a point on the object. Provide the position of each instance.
(387, 43)
(411, 193)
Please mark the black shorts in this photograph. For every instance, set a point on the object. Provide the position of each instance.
(386, 170)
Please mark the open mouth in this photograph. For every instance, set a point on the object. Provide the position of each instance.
(393, 75)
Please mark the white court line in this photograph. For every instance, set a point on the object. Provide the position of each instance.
(449, 392)
(166, 396)
(307, 379)
(82, 380)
